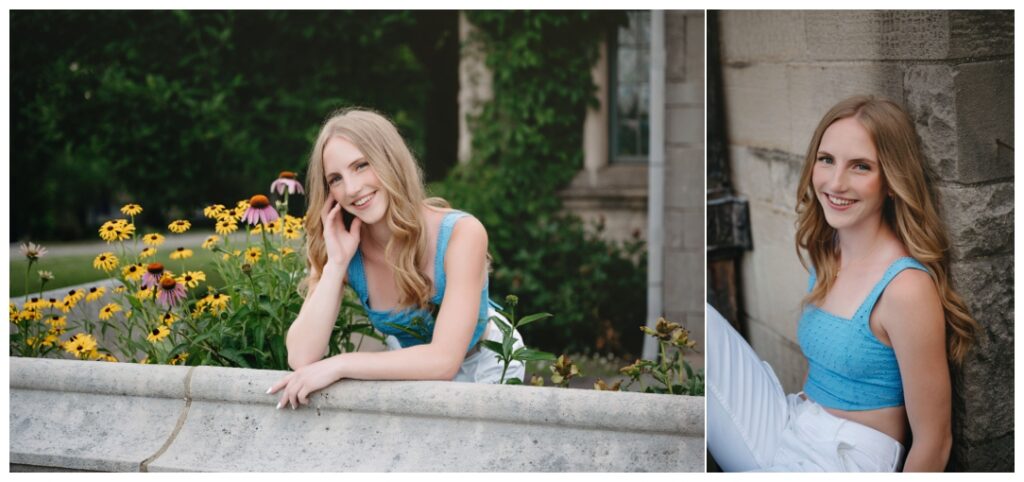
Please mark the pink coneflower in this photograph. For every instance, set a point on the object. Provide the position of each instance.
(152, 275)
(259, 211)
(286, 180)
(171, 292)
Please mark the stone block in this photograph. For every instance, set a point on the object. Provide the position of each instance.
(931, 102)
(783, 354)
(979, 218)
(684, 125)
(877, 35)
(980, 33)
(987, 287)
(684, 230)
(773, 281)
(684, 93)
(758, 108)
(684, 281)
(684, 45)
(984, 108)
(750, 173)
(815, 88)
(762, 36)
(684, 177)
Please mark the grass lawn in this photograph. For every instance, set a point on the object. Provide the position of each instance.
(76, 269)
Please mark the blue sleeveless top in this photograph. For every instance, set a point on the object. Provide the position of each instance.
(849, 368)
(414, 326)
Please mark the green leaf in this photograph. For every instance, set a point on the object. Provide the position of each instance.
(513, 381)
(532, 318)
(527, 354)
(506, 329)
(493, 346)
(407, 330)
(235, 356)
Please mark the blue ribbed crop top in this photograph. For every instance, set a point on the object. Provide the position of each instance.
(849, 368)
(414, 326)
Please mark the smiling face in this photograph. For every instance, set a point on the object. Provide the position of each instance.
(352, 181)
(847, 177)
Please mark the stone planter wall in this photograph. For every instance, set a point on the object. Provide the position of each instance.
(77, 415)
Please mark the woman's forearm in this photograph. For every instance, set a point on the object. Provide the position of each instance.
(928, 455)
(420, 362)
(310, 332)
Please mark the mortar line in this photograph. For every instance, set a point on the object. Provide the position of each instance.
(144, 465)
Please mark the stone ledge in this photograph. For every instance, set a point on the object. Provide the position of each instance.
(126, 417)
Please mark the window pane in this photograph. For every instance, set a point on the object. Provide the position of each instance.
(632, 77)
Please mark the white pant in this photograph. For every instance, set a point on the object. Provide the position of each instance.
(482, 365)
(754, 426)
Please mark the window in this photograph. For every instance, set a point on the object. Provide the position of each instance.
(629, 76)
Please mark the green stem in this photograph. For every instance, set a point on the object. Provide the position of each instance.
(27, 272)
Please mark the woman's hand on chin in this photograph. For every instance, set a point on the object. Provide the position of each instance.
(341, 243)
(298, 385)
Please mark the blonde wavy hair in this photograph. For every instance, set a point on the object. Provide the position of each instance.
(912, 212)
(400, 176)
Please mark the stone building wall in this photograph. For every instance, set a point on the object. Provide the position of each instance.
(954, 73)
(684, 171)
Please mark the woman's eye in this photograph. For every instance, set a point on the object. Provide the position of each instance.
(362, 166)
(860, 166)
(826, 159)
(333, 181)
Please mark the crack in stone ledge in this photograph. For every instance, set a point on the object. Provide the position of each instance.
(144, 465)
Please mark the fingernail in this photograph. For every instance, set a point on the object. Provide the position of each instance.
(278, 405)
(268, 390)
(293, 407)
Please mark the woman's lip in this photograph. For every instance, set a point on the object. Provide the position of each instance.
(368, 201)
(839, 207)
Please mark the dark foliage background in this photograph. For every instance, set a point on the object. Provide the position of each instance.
(174, 110)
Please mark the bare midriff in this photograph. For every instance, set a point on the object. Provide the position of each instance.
(890, 420)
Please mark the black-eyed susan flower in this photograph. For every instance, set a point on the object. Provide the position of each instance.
(168, 318)
(14, 311)
(81, 344)
(95, 293)
(133, 271)
(145, 293)
(32, 251)
(285, 251)
(286, 181)
(67, 304)
(105, 261)
(56, 321)
(274, 227)
(226, 225)
(109, 231)
(273, 256)
(211, 242)
(217, 302)
(75, 295)
(259, 211)
(179, 226)
(147, 252)
(191, 279)
(131, 209)
(125, 230)
(252, 254)
(154, 271)
(213, 211)
(107, 357)
(290, 232)
(53, 303)
(120, 289)
(35, 303)
(181, 253)
(170, 292)
(178, 359)
(108, 310)
(30, 315)
(158, 333)
(49, 340)
(293, 221)
(153, 239)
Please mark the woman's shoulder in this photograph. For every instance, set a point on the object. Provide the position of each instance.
(912, 299)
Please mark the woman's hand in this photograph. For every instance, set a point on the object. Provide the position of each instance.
(341, 243)
(304, 381)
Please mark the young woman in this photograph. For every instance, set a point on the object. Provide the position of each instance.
(419, 268)
(880, 325)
